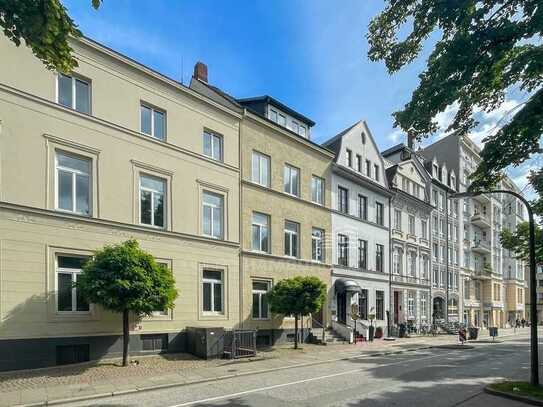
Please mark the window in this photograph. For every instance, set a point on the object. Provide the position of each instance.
(212, 285)
(358, 163)
(376, 169)
(424, 228)
(413, 264)
(282, 120)
(291, 180)
(423, 305)
(343, 250)
(396, 261)
(291, 239)
(261, 234)
(349, 158)
(379, 257)
(261, 169)
(152, 210)
(317, 190)
(362, 254)
(363, 304)
(74, 93)
(153, 122)
(379, 213)
(303, 131)
(73, 183)
(362, 207)
(273, 115)
(213, 146)
(435, 224)
(379, 305)
(343, 200)
(397, 219)
(295, 127)
(435, 251)
(260, 299)
(68, 299)
(213, 215)
(411, 304)
(368, 168)
(317, 244)
(466, 259)
(411, 225)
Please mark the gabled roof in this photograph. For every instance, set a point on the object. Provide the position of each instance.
(272, 101)
(393, 149)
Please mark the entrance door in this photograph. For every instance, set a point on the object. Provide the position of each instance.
(396, 307)
(342, 307)
(439, 309)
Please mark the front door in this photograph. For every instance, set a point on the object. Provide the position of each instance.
(342, 307)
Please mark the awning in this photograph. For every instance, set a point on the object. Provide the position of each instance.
(342, 285)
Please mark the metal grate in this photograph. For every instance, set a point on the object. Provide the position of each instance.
(240, 344)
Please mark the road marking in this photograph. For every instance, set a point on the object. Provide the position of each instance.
(276, 386)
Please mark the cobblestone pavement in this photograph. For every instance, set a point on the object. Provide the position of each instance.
(48, 384)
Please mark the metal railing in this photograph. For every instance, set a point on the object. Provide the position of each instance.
(240, 344)
(320, 326)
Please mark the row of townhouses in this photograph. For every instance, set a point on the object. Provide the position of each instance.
(232, 195)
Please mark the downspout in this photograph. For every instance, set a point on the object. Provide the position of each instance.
(240, 221)
(390, 296)
(447, 255)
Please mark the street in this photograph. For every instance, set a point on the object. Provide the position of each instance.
(431, 377)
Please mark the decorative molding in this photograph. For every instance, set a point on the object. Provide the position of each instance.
(72, 144)
(150, 167)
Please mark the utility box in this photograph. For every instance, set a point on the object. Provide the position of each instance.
(206, 343)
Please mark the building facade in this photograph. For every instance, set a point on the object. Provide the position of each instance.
(79, 170)
(360, 232)
(411, 241)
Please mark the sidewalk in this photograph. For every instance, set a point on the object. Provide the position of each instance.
(107, 378)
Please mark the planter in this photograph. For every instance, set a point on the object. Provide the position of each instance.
(378, 332)
(473, 333)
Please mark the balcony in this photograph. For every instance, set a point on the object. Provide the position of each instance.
(410, 280)
(481, 246)
(481, 220)
(398, 234)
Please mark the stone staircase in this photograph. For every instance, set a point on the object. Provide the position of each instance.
(330, 337)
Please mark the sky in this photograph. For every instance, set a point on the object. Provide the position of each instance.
(313, 59)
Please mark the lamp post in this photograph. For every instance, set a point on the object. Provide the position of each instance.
(534, 358)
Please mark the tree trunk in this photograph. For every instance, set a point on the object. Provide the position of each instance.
(296, 331)
(126, 337)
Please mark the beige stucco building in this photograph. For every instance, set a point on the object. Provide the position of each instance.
(113, 151)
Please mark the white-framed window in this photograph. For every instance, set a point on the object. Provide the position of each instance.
(362, 207)
(73, 183)
(292, 230)
(379, 257)
(68, 268)
(303, 131)
(377, 172)
(282, 120)
(411, 225)
(261, 169)
(379, 305)
(212, 291)
(213, 145)
(342, 250)
(358, 163)
(368, 168)
(379, 213)
(362, 254)
(412, 264)
(435, 251)
(411, 304)
(343, 200)
(423, 305)
(291, 180)
(317, 244)
(213, 215)
(397, 219)
(317, 190)
(260, 291)
(153, 121)
(74, 92)
(396, 261)
(273, 115)
(152, 201)
(349, 158)
(295, 127)
(261, 232)
(424, 228)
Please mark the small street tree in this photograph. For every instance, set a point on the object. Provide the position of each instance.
(298, 296)
(518, 242)
(124, 278)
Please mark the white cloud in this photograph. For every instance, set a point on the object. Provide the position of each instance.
(396, 136)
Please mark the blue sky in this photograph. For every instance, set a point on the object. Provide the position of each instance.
(314, 59)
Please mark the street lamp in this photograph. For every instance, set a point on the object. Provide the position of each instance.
(534, 359)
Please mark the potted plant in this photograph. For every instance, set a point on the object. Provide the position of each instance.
(378, 332)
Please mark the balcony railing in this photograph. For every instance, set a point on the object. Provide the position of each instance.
(480, 219)
(481, 246)
(410, 279)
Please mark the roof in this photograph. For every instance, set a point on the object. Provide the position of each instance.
(270, 100)
(332, 141)
(393, 149)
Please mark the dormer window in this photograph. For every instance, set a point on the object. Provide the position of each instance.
(363, 137)
(273, 115)
(349, 158)
(435, 171)
(303, 131)
(282, 120)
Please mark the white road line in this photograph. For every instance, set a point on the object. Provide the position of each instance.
(276, 386)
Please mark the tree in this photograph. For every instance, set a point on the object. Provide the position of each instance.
(125, 279)
(485, 48)
(518, 242)
(298, 296)
(45, 27)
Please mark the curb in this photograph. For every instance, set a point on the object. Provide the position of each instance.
(224, 377)
(510, 396)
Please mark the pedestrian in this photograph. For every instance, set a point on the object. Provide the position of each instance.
(517, 323)
(523, 322)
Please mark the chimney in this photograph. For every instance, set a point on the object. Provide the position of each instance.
(200, 71)
(410, 141)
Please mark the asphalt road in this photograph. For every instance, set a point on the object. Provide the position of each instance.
(434, 377)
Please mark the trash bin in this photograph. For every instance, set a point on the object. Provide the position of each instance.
(473, 333)
(403, 328)
(493, 332)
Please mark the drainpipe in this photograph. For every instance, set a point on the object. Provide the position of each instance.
(240, 220)
(447, 255)
(390, 296)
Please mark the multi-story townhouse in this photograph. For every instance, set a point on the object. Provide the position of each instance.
(360, 231)
(539, 290)
(513, 269)
(285, 206)
(111, 151)
(411, 242)
(481, 254)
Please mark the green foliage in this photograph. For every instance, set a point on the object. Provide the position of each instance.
(484, 49)
(518, 242)
(124, 277)
(297, 296)
(45, 27)
(487, 268)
